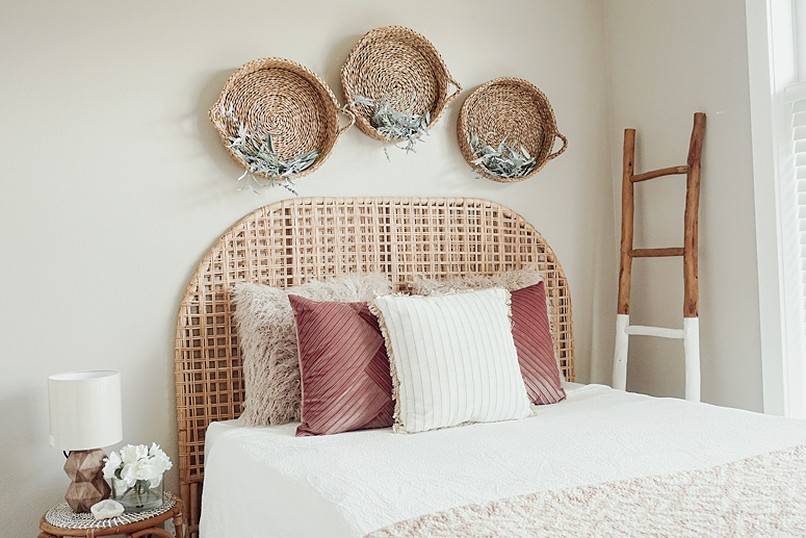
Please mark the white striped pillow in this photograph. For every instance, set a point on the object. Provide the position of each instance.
(452, 358)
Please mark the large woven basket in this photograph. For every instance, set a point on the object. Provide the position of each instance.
(402, 66)
(285, 99)
(514, 110)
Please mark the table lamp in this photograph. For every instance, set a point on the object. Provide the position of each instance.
(85, 416)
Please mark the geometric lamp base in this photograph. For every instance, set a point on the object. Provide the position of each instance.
(85, 470)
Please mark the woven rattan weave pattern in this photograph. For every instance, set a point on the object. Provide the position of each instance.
(285, 99)
(401, 65)
(514, 110)
(301, 239)
(63, 516)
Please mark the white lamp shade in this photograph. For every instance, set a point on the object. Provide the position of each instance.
(85, 409)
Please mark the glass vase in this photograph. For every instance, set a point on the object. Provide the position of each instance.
(138, 497)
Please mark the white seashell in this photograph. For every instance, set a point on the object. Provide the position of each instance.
(106, 509)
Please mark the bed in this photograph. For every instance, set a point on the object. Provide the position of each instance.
(601, 462)
(266, 482)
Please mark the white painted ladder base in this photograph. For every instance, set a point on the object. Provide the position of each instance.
(690, 334)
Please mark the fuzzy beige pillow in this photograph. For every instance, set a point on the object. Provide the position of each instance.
(509, 280)
(268, 339)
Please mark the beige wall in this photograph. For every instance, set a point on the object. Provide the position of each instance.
(114, 183)
(668, 59)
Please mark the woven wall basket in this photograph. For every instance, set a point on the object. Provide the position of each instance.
(286, 99)
(514, 110)
(402, 66)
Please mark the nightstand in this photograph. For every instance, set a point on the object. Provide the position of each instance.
(60, 521)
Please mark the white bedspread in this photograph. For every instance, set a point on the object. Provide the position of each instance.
(263, 482)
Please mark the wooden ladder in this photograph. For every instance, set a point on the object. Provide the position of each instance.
(690, 333)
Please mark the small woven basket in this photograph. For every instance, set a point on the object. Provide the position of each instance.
(285, 99)
(514, 110)
(402, 66)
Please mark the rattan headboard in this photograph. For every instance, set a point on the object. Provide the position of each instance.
(301, 239)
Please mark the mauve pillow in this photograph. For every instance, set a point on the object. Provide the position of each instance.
(346, 384)
(530, 325)
(530, 330)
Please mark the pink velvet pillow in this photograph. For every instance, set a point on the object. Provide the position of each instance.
(346, 384)
(532, 335)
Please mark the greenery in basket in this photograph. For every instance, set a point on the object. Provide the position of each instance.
(264, 168)
(394, 124)
(505, 160)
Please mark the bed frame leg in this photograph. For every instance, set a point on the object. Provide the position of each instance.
(691, 347)
(620, 358)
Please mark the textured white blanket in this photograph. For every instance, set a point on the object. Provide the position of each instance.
(759, 496)
(263, 482)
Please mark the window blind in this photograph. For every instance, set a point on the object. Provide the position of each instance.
(793, 208)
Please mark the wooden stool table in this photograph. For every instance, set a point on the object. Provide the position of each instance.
(151, 527)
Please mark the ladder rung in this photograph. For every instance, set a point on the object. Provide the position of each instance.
(656, 252)
(652, 174)
(663, 332)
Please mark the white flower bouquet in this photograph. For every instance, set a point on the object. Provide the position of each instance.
(135, 474)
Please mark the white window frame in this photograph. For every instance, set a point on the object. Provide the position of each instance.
(773, 69)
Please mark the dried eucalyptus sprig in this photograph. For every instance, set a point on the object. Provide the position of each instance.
(506, 160)
(264, 167)
(394, 124)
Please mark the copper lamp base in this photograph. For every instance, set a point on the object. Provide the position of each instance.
(87, 486)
